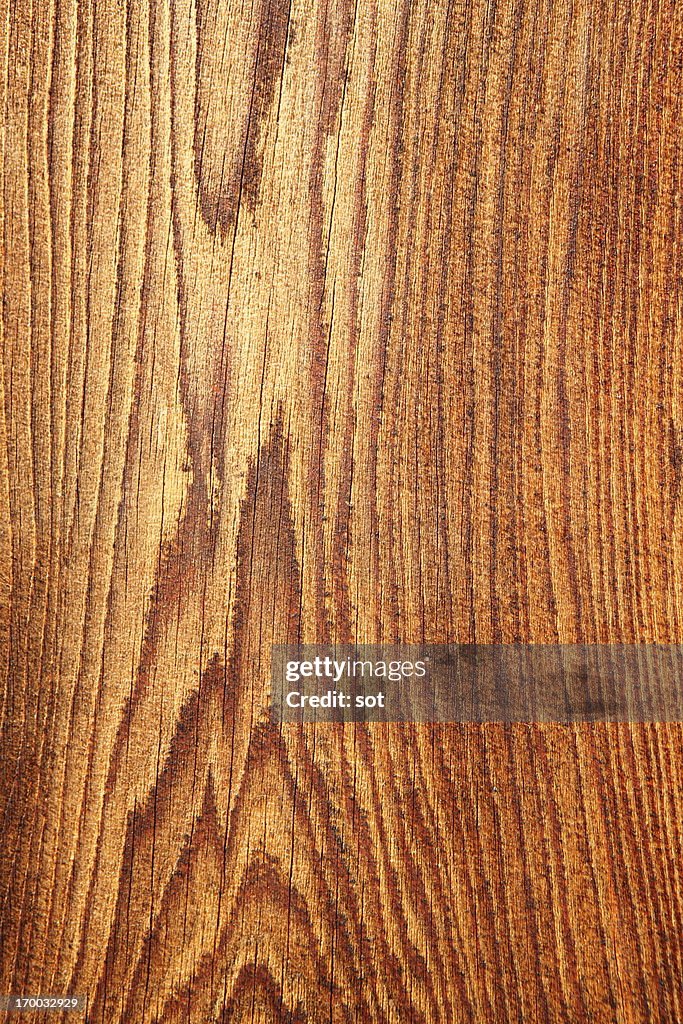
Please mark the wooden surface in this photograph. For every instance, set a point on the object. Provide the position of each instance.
(352, 322)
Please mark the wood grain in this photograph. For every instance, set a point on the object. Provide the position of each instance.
(335, 321)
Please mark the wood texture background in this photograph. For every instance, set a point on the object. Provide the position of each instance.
(354, 322)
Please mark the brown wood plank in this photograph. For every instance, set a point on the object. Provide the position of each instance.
(335, 321)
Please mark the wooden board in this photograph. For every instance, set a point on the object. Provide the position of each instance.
(333, 321)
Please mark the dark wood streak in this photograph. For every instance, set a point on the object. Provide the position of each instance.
(386, 625)
(217, 708)
(335, 28)
(229, 157)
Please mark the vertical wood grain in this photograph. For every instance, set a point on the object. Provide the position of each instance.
(332, 321)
